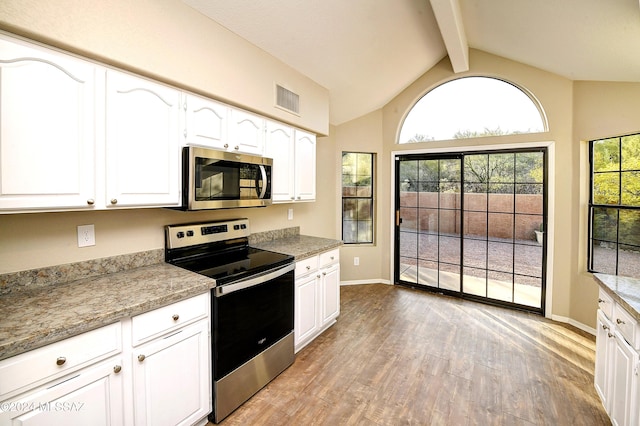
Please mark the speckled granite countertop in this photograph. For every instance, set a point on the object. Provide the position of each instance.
(45, 305)
(299, 246)
(38, 316)
(624, 290)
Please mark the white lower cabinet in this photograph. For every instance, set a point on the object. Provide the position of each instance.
(153, 369)
(617, 366)
(171, 378)
(317, 296)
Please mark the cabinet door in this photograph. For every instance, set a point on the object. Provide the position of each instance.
(206, 123)
(624, 360)
(142, 142)
(307, 316)
(604, 349)
(92, 396)
(47, 137)
(246, 132)
(279, 146)
(330, 293)
(172, 378)
(305, 166)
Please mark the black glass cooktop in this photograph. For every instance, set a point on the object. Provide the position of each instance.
(234, 265)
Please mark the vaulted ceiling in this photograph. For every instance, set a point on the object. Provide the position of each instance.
(365, 52)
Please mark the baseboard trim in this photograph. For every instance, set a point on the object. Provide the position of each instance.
(574, 323)
(372, 281)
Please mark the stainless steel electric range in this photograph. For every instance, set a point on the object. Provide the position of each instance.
(251, 306)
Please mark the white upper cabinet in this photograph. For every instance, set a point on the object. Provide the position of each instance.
(206, 122)
(246, 132)
(279, 146)
(294, 163)
(142, 142)
(305, 166)
(47, 129)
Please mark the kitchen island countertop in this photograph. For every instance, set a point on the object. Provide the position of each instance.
(299, 246)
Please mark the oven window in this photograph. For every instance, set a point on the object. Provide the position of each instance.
(248, 321)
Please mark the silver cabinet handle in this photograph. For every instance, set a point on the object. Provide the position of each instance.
(141, 357)
(226, 145)
(61, 360)
(175, 317)
(117, 369)
(308, 267)
(91, 201)
(600, 301)
(114, 201)
(605, 327)
(619, 321)
(324, 273)
(236, 147)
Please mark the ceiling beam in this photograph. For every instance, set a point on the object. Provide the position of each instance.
(449, 19)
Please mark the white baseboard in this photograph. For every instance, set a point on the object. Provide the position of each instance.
(574, 323)
(372, 281)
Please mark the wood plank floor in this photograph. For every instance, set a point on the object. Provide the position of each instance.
(399, 356)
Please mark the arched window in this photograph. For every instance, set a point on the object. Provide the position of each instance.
(471, 107)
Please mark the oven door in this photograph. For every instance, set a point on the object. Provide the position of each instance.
(250, 316)
(217, 179)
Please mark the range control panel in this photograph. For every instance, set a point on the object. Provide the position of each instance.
(191, 234)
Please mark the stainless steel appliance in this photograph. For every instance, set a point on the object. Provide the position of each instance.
(216, 179)
(251, 308)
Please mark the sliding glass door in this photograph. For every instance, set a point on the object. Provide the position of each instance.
(472, 225)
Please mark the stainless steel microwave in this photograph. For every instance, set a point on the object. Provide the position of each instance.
(221, 180)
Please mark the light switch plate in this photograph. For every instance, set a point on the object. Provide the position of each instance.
(86, 236)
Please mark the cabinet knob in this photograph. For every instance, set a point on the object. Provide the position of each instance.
(600, 301)
(605, 327)
(61, 360)
(226, 145)
(114, 201)
(332, 257)
(117, 369)
(318, 275)
(91, 201)
(299, 197)
(619, 321)
(141, 357)
(324, 273)
(308, 267)
(236, 147)
(610, 335)
(293, 198)
(175, 317)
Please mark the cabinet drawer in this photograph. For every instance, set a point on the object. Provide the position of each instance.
(605, 303)
(43, 364)
(626, 325)
(161, 320)
(329, 257)
(306, 265)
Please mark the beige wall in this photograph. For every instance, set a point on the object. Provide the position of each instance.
(601, 109)
(169, 41)
(556, 97)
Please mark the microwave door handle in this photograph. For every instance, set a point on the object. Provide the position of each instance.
(263, 172)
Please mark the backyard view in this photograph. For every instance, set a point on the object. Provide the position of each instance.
(474, 216)
(615, 206)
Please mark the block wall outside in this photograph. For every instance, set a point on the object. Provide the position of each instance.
(486, 215)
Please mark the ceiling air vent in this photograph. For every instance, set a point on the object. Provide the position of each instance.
(287, 100)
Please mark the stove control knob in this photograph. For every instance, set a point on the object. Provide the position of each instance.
(180, 234)
(189, 233)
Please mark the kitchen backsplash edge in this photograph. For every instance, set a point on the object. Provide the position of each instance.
(60, 274)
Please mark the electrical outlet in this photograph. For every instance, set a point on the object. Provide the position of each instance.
(290, 214)
(356, 261)
(86, 236)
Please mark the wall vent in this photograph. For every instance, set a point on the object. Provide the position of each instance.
(287, 100)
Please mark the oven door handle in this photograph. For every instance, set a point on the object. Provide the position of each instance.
(242, 284)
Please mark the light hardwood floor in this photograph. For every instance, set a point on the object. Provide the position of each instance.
(399, 356)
